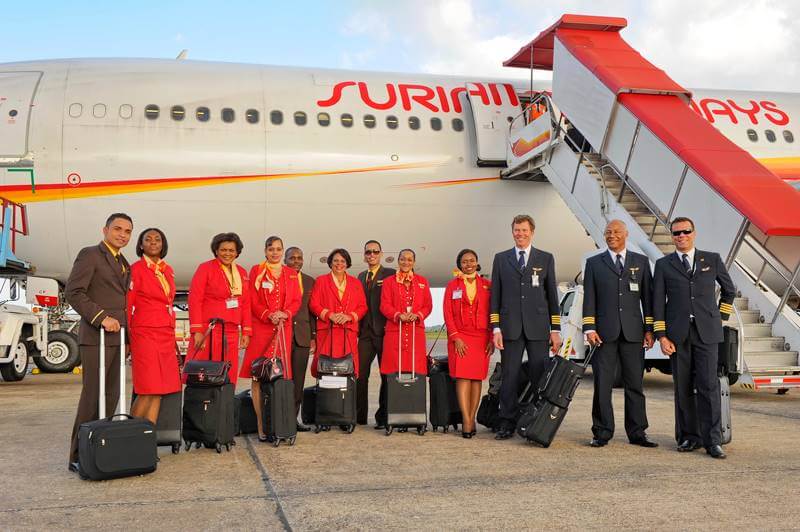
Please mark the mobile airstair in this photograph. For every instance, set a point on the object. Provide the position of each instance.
(617, 139)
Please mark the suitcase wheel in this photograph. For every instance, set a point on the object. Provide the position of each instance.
(228, 447)
(197, 445)
(176, 448)
(350, 429)
(455, 427)
(277, 442)
(389, 430)
(402, 429)
(218, 447)
(446, 429)
(422, 430)
(292, 440)
(188, 445)
(317, 429)
(436, 429)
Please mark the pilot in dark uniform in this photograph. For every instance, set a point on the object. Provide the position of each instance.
(524, 315)
(688, 324)
(617, 291)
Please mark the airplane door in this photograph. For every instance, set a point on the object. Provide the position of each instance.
(16, 96)
(494, 106)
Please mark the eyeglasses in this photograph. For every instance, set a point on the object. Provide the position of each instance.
(372, 252)
(683, 232)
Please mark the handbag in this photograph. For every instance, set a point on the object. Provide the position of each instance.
(269, 369)
(328, 365)
(208, 372)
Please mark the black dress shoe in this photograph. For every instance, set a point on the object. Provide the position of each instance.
(379, 426)
(644, 441)
(597, 442)
(503, 434)
(688, 446)
(73, 467)
(466, 435)
(303, 428)
(716, 452)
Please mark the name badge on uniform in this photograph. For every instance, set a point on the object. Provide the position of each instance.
(634, 286)
(267, 285)
(535, 279)
(457, 294)
(231, 303)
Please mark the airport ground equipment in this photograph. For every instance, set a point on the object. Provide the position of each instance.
(618, 139)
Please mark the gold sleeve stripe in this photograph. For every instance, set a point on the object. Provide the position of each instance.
(96, 315)
(555, 320)
(648, 320)
(588, 320)
(494, 315)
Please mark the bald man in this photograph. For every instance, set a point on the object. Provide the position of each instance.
(618, 318)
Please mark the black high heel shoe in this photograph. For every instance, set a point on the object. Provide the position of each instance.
(467, 435)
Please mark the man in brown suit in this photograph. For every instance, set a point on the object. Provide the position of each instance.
(304, 330)
(96, 289)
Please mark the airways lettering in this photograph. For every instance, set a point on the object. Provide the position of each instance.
(713, 109)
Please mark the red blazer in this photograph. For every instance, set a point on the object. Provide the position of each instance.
(208, 294)
(260, 300)
(392, 305)
(324, 300)
(459, 315)
(148, 305)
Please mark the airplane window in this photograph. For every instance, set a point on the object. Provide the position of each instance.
(436, 124)
(369, 121)
(202, 114)
(770, 135)
(300, 118)
(125, 111)
(347, 120)
(788, 136)
(391, 122)
(458, 124)
(228, 115)
(323, 119)
(99, 110)
(752, 135)
(251, 115)
(413, 122)
(151, 112)
(75, 110)
(177, 113)
(276, 117)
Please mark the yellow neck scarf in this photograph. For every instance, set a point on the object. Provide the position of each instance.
(158, 269)
(233, 277)
(340, 286)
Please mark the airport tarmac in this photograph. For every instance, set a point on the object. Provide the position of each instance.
(438, 481)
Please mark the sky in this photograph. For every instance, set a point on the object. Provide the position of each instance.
(746, 44)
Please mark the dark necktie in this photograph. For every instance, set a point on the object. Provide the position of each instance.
(369, 278)
(686, 264)
(521, 261)
(620, 267)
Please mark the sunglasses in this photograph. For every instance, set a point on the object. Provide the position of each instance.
(683, 232)
(372, 252)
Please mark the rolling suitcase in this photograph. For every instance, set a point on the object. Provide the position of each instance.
(335, 403)
(208, 408)
(444, 409)
(308, 408)
(405, 394)
(725, 410)
(488, 413)
(168, 425)
(113, 449)
(245, 414)
(728, 352)
(277, 409)
(540, 420)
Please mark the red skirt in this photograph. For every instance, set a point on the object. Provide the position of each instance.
(263, 343)
(474, 364)
(154, 361)
(231, 349)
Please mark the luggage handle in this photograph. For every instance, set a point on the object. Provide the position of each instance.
(101, 406)
(413, 376)
(282, 347)
(208, 334)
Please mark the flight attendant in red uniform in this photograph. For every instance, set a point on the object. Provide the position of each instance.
(151, 326)
(469, 338)
(405, 300)
(220, 289)
(274, 300)
(339, 303)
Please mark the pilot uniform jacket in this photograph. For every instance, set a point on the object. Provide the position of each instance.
(304, 326)
(613, 304)
(678, 294)
(374, 321)
(517, 305)
(96, 288)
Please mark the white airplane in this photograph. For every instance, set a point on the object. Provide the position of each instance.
(323, 158)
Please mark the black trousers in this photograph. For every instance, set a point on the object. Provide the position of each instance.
(88, 409)
(511, 361)
(630, 357)
(369, 347)
(694, 367)
(299, 365)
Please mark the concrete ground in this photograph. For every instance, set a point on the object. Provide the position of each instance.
(439, 481)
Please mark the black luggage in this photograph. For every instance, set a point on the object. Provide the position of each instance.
(725, 410)
(335, 403)
(114, 449)
(728, 353)
(277, 409)
(405, 394)
(208, 409)
(444, 409)
(170, 415)
(308, 408)
(540, 419)
(488, 413)
(245, 418)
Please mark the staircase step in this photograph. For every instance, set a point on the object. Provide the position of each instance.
(771, 359)
(665, 248)
(766, 343)
(634, 207)
(661, 239)
(741, 303)
(748, 316)
(757, 330)
(645, 220)
(757, 371)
